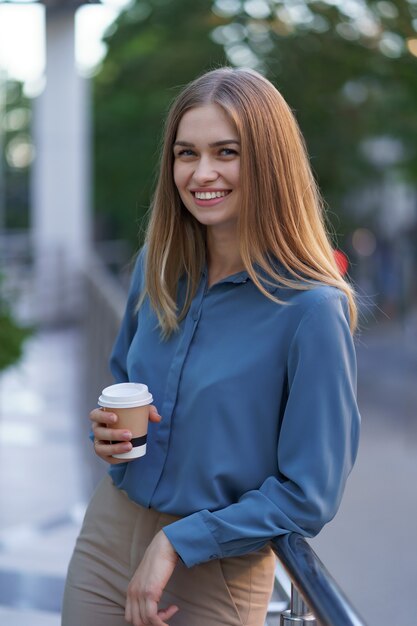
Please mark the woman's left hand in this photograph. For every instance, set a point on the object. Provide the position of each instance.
(146, 587)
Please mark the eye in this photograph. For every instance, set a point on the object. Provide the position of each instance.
(185, 152)
(228, 152)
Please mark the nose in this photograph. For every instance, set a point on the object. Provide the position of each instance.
(205, 170)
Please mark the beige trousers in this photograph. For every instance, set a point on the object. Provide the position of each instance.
(114, 536)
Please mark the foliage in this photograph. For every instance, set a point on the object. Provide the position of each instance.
(344, 67)
(12, 335)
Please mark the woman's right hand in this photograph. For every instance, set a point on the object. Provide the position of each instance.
(104, 434)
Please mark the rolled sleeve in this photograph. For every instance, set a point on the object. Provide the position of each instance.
(193, 540)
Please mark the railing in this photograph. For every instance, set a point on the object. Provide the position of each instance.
(315, 596)
(104, 302)
(302, 583)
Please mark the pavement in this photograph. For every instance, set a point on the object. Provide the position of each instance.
(45, 480)
(42, 496)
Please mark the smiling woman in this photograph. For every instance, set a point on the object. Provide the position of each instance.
(235, 300)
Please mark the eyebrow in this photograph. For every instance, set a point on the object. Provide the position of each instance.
(215, 144)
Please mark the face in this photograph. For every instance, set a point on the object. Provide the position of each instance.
(207, 166)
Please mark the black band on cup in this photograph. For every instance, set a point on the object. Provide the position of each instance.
(136, 441)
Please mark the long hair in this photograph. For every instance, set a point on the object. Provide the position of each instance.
(281, 214)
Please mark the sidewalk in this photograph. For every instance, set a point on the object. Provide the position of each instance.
(42, 498)
(45, 479)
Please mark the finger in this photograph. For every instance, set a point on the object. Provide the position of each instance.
(132, 609)
(166, 614)
(153, 414)
(128, 611)
(105, 449)
(149, 613)
(142, 611)
(101, 416)
(111, 434)
(136, 615)
(152, 616)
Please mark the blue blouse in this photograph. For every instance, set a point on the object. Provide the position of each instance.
(260, 423)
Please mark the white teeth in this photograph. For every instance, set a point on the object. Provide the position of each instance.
(210, 195)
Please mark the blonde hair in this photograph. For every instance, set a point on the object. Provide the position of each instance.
(281, 213)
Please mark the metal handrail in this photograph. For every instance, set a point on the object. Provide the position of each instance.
(311, 579)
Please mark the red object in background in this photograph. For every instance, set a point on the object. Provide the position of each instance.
(342, 261)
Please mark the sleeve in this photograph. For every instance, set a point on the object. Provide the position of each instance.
(316, 450)
(128, 327)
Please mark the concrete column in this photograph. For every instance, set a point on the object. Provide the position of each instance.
(61, 220)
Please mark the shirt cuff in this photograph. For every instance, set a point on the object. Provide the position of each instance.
(192, 540)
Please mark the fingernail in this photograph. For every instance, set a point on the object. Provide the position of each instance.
(127, 447)
(127, 435)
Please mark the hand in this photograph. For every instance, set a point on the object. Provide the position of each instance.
(146, 587)
(102, 422)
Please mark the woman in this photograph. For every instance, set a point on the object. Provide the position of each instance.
(240, 323)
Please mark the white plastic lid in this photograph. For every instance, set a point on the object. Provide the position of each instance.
(125, 396)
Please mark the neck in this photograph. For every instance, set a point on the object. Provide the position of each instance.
(223, 255)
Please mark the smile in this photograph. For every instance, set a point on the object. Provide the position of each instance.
(209, 195)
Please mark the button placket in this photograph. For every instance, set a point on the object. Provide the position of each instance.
(174, 377)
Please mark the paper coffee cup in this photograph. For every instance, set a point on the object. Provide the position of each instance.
(130, 402)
